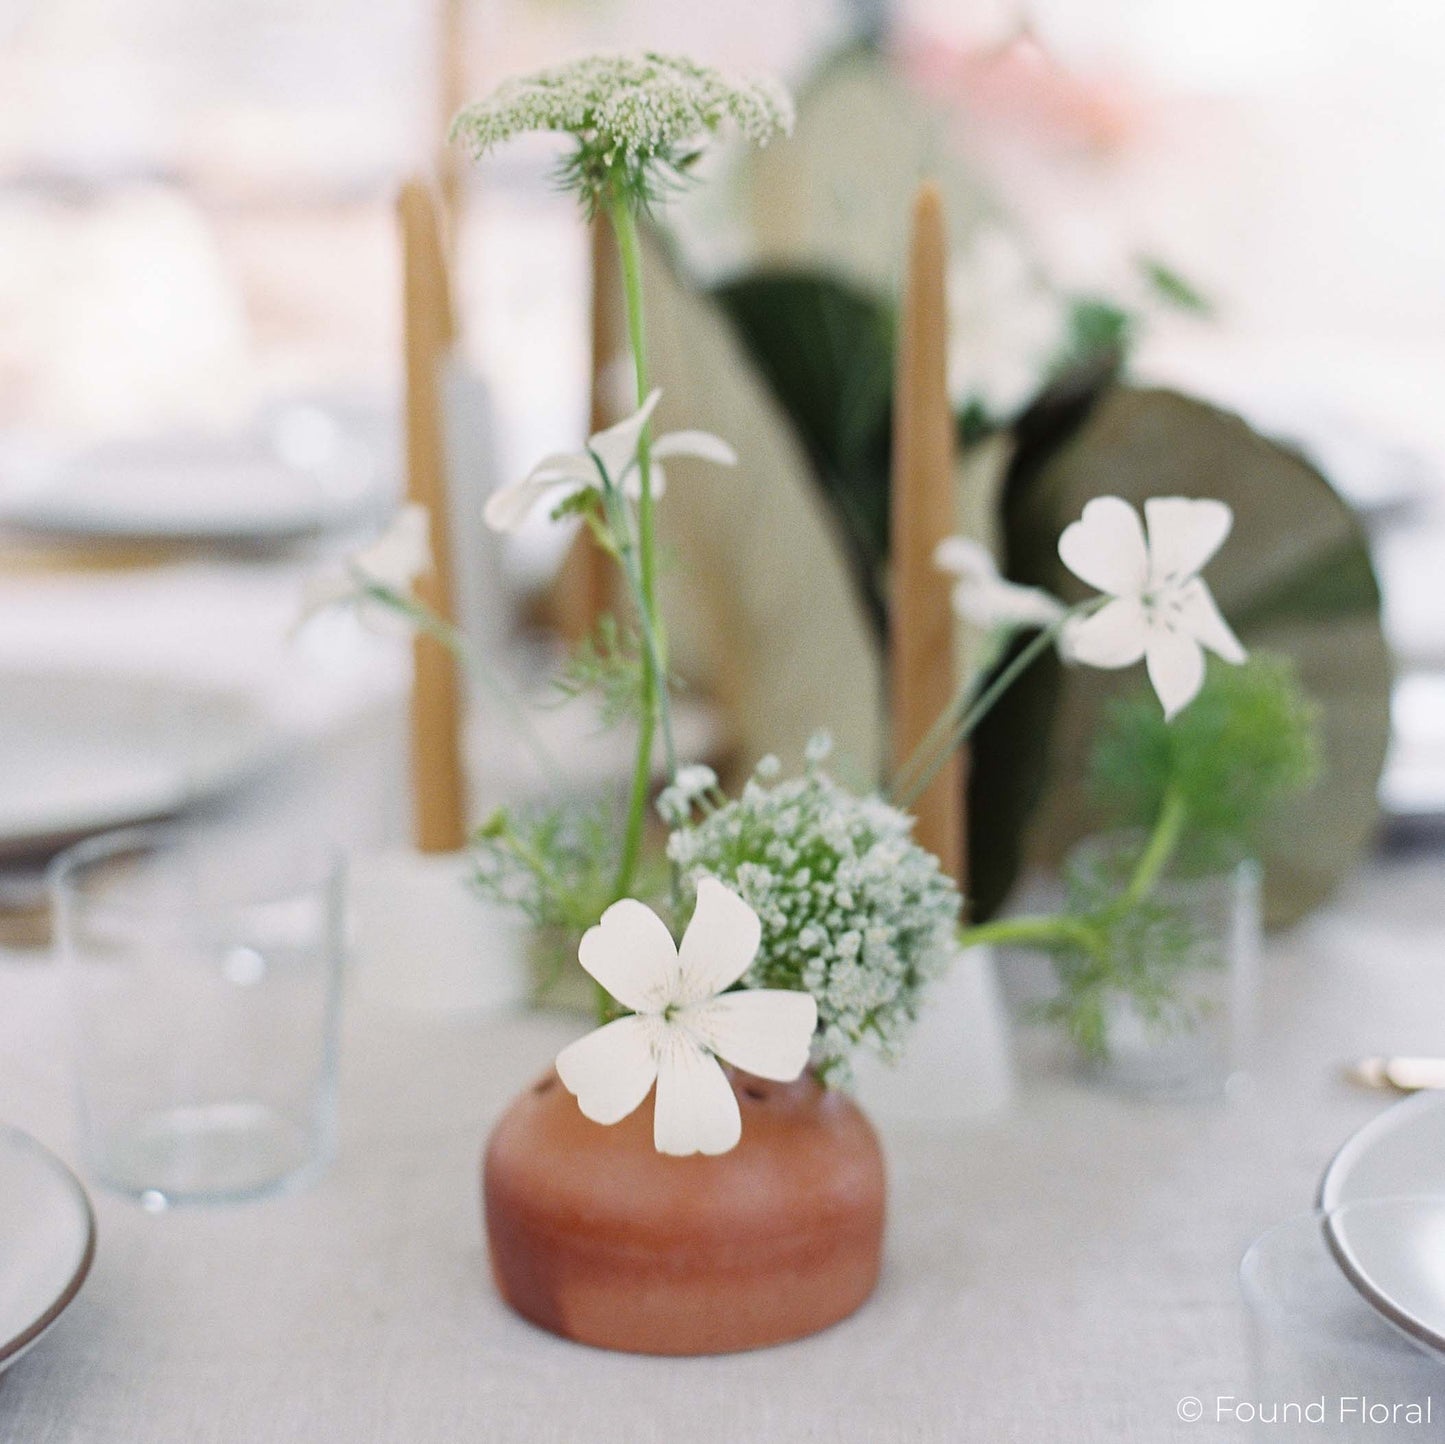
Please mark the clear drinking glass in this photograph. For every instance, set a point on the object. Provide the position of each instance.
(1180, 1024)
(204, 983)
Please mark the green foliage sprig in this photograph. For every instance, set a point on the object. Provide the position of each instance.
(608, 664)
(1247, 741)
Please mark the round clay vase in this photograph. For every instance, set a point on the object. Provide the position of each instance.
(597, 1237)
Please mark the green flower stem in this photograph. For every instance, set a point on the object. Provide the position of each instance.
(1158, 851)
(961, 716)
(423, 619)
(620, 531)
(1035, 931)
(1090, 932)
(624, 224)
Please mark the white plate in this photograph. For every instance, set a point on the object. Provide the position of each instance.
(1393, 1251)
(1383, 1198)
(298, 472)
(47, 1241)
(1399, 1154)
(81, 753)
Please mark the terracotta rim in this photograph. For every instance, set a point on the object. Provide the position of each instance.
(10, 1348)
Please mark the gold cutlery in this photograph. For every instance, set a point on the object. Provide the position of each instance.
(1404, 1075)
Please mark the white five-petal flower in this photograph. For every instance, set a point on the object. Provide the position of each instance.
(611, 456)
(393, 562)
(1159, 609)
(683, 1020)
(987, 599)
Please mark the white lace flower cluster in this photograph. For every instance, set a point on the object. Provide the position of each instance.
(853, 910)
(627, 112)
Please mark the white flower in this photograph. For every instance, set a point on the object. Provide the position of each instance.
(819, 747)
(392, 562)
(985, 598)
(852, 909)
(640, 109)
(1160, 609)
(695, 779)
(1005, 327)
(611, 455)
(675, 802)
(683, 1020)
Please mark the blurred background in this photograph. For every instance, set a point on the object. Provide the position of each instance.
(200, 281)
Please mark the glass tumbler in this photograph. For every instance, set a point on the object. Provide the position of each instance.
(1178, 1020)
(204, 987)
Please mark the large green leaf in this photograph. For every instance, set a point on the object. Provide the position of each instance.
(825, 348)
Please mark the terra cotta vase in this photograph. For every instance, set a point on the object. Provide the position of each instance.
(597, 1237)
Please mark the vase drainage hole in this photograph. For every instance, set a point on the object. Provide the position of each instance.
(756, 1091)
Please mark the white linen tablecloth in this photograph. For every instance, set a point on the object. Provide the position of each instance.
(1066, 1271)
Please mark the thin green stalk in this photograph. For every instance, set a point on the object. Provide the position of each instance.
(423, 619)
(1158, 851)
(1028, 930)
(960, 718)
(615, 510)
(655, 701)
(1090, 932)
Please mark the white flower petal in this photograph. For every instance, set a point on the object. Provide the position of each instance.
(962, 556)
(1106, 549)
(616, 447)
(631, 953)
(1197, 614)
(326, 589)
(1115, 636)
(401, 553)
(575, 467)
(702, 444)
(509, 506)
(696, 1110)
(1183, 535)
(656, 480)
(766, 1031)
(1003, 606)
(985, 598)
(720, 942)
(1176, 668)
(611, 1070)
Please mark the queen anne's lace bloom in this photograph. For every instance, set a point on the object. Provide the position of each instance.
(852, 909)
(632, 115)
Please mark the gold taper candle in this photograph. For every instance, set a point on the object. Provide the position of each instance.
(438, 776)
(921, 625)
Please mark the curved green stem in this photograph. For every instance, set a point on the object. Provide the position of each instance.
(1039, 931)
(1158, 851)
(959, 719)
(424, 620)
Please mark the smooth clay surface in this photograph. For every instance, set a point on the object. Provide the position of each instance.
(598, 1237)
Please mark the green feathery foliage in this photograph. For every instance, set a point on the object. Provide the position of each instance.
(607, 664)
(1246, 742)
